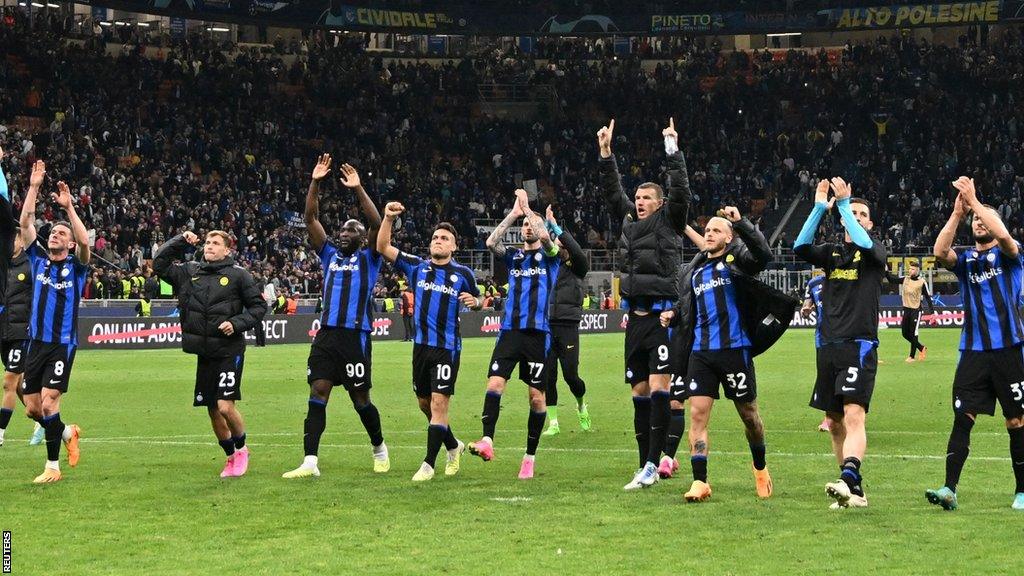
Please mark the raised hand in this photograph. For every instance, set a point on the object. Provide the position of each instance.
(967, 191)
(959, 208)
(731, 213)
(190, 237)
(821, 192)
(38, 174)
(670, 132)
(841, 189)
(393, 209)
(604, 138)
(63, 195)
(523, 201)
(323, 167)
(549, 215)
(349, 176)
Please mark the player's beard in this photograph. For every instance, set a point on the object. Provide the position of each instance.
(983, 239)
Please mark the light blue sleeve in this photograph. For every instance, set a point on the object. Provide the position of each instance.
(3, 185)
(857, 232)
(806, 235)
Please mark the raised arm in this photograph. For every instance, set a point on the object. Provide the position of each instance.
(28, 209)
(757, 254)
(384, 247)
(494, 243)
(550, 248)
(314, 229)
(695, 237)
(943, 250)
(576, 260)
(350, 178)
(988, 217)
(679, 194)
(78, 231)
(858, 234)
(804, 245)
(173, 249)
(611, 182)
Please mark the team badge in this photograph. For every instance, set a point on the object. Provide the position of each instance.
(64, 273)
(537, 256)
(21, 277)
(494, 366)
(693, 384)
(223, 280)
(991, 257)
(453, 278)
(720, 267)
(352, 259)
(199, 397)
(730, 258)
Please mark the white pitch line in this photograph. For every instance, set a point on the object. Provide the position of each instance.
(157, 441)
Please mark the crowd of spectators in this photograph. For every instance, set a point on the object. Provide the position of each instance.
(194, 137)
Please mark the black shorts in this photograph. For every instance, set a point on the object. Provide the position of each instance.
(733, 369)
(528, 348)
(648, 350)
(342, 357)
(218, 379)
(48, 366)
(14, 355)
(983, 377)
(565, 347)
(434, 370)
(846, 375)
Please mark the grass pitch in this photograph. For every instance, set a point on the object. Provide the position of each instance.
(146, 498)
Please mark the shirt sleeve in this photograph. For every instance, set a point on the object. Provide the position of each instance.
(470, 280)
(407, 264)
(326, 254)
(510, 257)
(960, 268)
(34, 252)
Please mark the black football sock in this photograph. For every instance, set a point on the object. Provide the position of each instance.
(450, 441)
(958, 448)
(676, 426)
(757, 451)
(228, 446)
(54, 436)
(1017, 455)
(239, 441)
(699, 463)
(313, 427)
(642, 425)
(661, 413)
(435, 436)
(492, 409)
(371, 421)
(849, 472)
(5, 417)
(534, 425)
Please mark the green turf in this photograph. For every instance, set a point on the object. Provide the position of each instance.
(146, 497)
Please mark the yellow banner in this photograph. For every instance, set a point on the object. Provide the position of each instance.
(919, 15)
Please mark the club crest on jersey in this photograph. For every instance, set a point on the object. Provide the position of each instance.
(537, 256)
(991, 257)
(64, 273)
(223, 280)
(453, 278)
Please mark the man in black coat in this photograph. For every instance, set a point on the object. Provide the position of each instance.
(725, 318)
(219, 301)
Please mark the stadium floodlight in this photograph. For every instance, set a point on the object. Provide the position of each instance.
(105, 24)
(778, 34)
(38, 5)
(52, 5)
(143, 24)
(218, 29)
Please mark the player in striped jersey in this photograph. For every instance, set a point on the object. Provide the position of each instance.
(59, 278)
(341, 351)
(991, 365)
(525, 337)
(441, 287)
